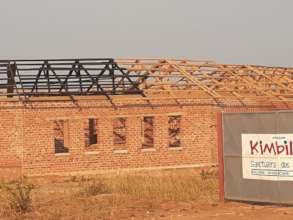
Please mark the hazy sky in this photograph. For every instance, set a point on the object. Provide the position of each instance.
(230, 31)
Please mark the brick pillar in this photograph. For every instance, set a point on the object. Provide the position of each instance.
(161, 133)
(76, 136)
(133, 138)
(105, 135)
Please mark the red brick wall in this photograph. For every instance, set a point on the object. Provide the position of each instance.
(197, 136)
(10, 142)
(27, 135)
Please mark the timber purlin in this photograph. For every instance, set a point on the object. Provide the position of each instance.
(222, 84)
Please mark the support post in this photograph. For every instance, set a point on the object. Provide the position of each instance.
(10, 79)
(220, 156)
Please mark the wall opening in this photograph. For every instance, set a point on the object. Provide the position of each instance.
(148, 132)
(174, 131)
(91, 137)
(119, 131)
(60, 136)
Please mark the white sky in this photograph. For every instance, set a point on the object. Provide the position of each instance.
(229, 31)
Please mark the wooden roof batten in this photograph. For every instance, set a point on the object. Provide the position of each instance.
(149, 79)
(187, 75)
(250, 83)
(226, 80)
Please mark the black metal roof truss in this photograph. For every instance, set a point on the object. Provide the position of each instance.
(65, 77)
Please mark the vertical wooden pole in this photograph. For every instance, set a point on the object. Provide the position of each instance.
(220, 156)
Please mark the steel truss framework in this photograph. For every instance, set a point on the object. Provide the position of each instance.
(220, 84)
(57, 77)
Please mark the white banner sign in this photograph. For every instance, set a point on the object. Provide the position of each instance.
(267, 156)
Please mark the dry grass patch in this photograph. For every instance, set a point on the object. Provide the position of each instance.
(94, 188)
(166, 186)
(178, 185)
(107, 196)
(17, 195)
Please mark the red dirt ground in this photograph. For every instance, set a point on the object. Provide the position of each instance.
(186, 211)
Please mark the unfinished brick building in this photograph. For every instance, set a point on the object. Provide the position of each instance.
(87, 115)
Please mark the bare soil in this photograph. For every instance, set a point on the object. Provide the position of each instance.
(138, 210)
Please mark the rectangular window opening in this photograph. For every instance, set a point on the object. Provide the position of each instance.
(174, 131)
(148, 132)
(119, 131)
(60, 134)
(91, 137)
